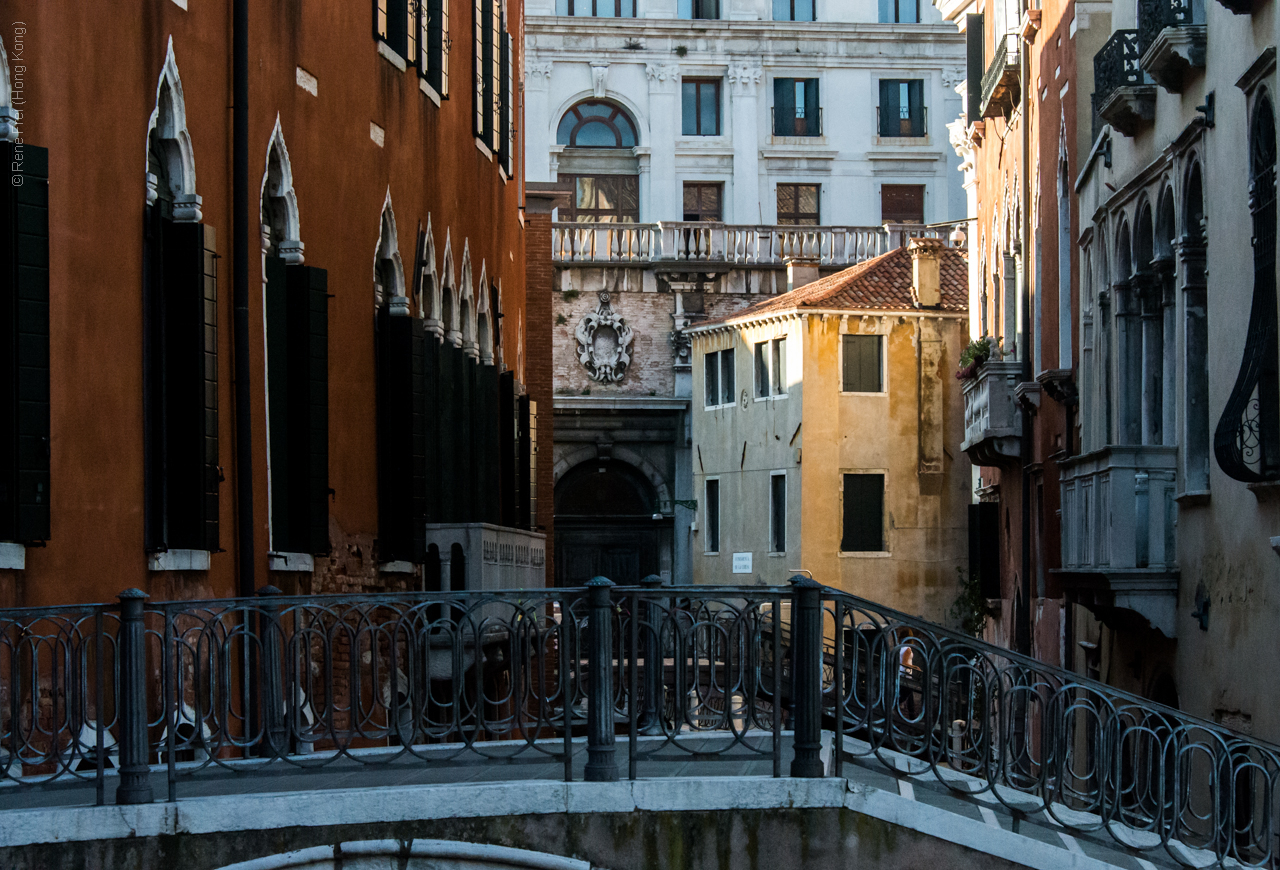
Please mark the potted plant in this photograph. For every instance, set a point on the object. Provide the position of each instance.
(972, 357)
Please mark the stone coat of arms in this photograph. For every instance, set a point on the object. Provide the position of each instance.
(604, 343)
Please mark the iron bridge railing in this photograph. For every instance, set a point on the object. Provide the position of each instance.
(194, 689)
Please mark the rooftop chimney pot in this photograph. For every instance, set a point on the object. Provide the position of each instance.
(926, 271)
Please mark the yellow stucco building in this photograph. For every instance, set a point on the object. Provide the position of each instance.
(826, 426)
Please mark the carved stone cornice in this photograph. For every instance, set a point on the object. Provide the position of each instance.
(744, 77)
(663, 77)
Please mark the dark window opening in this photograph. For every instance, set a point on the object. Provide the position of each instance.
(603, 199)
(703, 201)
(863, 514)
(796, 111)
(713, 516)
(902, 203)
(698, 9)
(718, 388)
(700, 107)
(778, 513)
(902, 111)
(799, 204)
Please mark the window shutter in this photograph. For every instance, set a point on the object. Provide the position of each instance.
(417, 440)
(478, 67)
(24, 349)
(190, 394)
(154, 444)
(863, 513)
(395, 434)
(784, 107)
(308, 330)
(433, 419)
(420, 14)
(449, 425)
(727, 389)
(278, 404)
(445, 42)
(711, 379)
(890, 110)
(915, 105)
(508, 109)
(494, 84)
(507, 444)
(812, 110)
(974, 67)
(469, 415)
(504, 105)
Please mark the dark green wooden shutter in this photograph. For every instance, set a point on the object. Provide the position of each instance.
(861, 364)
(433, 420)
(24, 347)
(450, 424)
(974, 66)
(417, 447)
(507, 446)
(863, 513)
(890, 108)
(155, 530)
(915, 106)
(308, 432)
(278, 388)
(469, 417)
(399, 509)
(190, 393)
(784, 107)
(984, 547)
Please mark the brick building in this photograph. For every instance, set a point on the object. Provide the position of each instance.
(263, 293)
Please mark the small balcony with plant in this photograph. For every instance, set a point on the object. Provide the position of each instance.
(1171, 40)
(992, 419)
(1123, 94)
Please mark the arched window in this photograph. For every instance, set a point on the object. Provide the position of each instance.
(1196, 357)
(1129, 343)
(596, 124)
(1247, 440)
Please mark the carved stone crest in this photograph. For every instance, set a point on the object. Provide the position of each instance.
(604, 343)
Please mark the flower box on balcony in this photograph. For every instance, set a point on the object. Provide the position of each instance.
(992, 419)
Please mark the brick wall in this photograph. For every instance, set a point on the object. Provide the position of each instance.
(539, 283)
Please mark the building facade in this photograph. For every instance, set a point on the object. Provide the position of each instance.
(268, 345)
(701, 145)
(820, 434)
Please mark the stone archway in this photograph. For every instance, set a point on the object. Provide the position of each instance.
(608, 523)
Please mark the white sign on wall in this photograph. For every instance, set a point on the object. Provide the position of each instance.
(742, 563)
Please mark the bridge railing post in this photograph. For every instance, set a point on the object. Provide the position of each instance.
(272, 701)
(602, 763)
(135, 775)
(806, 666)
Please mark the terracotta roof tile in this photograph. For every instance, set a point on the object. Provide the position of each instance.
(882, 283)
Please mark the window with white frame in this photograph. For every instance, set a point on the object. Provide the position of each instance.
(862, 363)
(778, 512)
(718, 386)
(771, 368)
(712, 517)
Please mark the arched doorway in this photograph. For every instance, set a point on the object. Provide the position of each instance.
(605, 525)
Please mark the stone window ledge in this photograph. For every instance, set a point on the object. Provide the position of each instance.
(13, 556)
(398, 568)
(302, 562)
(179, 560)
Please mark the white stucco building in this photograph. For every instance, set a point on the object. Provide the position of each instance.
(741, 117)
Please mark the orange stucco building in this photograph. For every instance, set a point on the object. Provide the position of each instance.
(381, 277)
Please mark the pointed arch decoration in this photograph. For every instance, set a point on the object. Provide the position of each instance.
(388, 267)
(449, 294)
(484, 318)
(171, 165)
(428, 281)
(466, 303)
(281, 226)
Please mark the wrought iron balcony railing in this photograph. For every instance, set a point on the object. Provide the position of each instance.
(1155, 15)
(1001, 84)
(250, 686)
(1116, 65)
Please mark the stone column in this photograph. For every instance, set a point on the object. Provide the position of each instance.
(1152, 362)
(1189, 253)
(1129, 364)
(664, 112)
(537, 113)
(744, 85)
(1168, 354)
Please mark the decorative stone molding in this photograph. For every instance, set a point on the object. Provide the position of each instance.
(952, 77)
(745, 76)
(599, 79)
(604, 343)
(537, 75)
(662, 76)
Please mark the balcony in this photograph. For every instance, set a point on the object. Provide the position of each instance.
(1119, 524)
(494, 558)
(1171, 40)
(713, 247)
(1124, 96)
(992, 420)
(1001, 83)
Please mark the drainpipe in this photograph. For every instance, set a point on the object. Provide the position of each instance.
(240, 291)
(1023, 633)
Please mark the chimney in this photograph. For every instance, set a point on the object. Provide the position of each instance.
(926, 271)
(801, 271)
